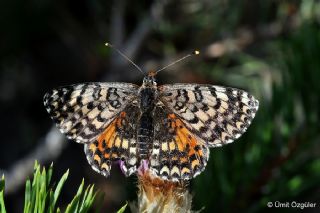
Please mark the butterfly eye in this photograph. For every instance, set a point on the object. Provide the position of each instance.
(149, 80)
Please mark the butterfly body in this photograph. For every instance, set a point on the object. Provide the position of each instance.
(148, 97)
(170, 126)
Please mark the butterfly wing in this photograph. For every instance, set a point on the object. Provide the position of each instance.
(177, 153)
(116, 142)
(83, 111)
(102, 116)
(217, 115)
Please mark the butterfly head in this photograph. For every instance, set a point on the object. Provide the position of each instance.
(149, 80)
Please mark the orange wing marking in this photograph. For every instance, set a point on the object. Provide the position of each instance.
(109, 138)
(185, 140)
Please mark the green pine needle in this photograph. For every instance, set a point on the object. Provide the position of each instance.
(54, 196)
(2, 185)
(123, 208)
(41, 196)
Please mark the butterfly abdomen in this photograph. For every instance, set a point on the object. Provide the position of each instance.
(144, 136)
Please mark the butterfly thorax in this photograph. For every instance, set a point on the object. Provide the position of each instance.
(148, 93)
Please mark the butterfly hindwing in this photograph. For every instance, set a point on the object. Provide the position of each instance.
(83, 111)
(217, 115)
(177, 153)
(116, 142)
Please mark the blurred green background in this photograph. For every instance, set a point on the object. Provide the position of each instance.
(269, 48)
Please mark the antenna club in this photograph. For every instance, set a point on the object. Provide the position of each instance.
(107, 44)
(196, 52)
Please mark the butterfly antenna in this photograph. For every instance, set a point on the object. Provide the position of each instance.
(196, 52)
(123, 55)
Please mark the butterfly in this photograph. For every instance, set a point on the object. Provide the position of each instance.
(170, 126)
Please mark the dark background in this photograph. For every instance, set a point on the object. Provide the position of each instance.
(269, 48)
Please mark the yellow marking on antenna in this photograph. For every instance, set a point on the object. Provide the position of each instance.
(196, 52)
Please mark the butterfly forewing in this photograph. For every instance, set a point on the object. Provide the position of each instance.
(217, 115)
(83, 111)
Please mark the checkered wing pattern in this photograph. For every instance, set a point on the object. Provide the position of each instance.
(116, 142)
(216, 115)
(84, 111)
(177, 153)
